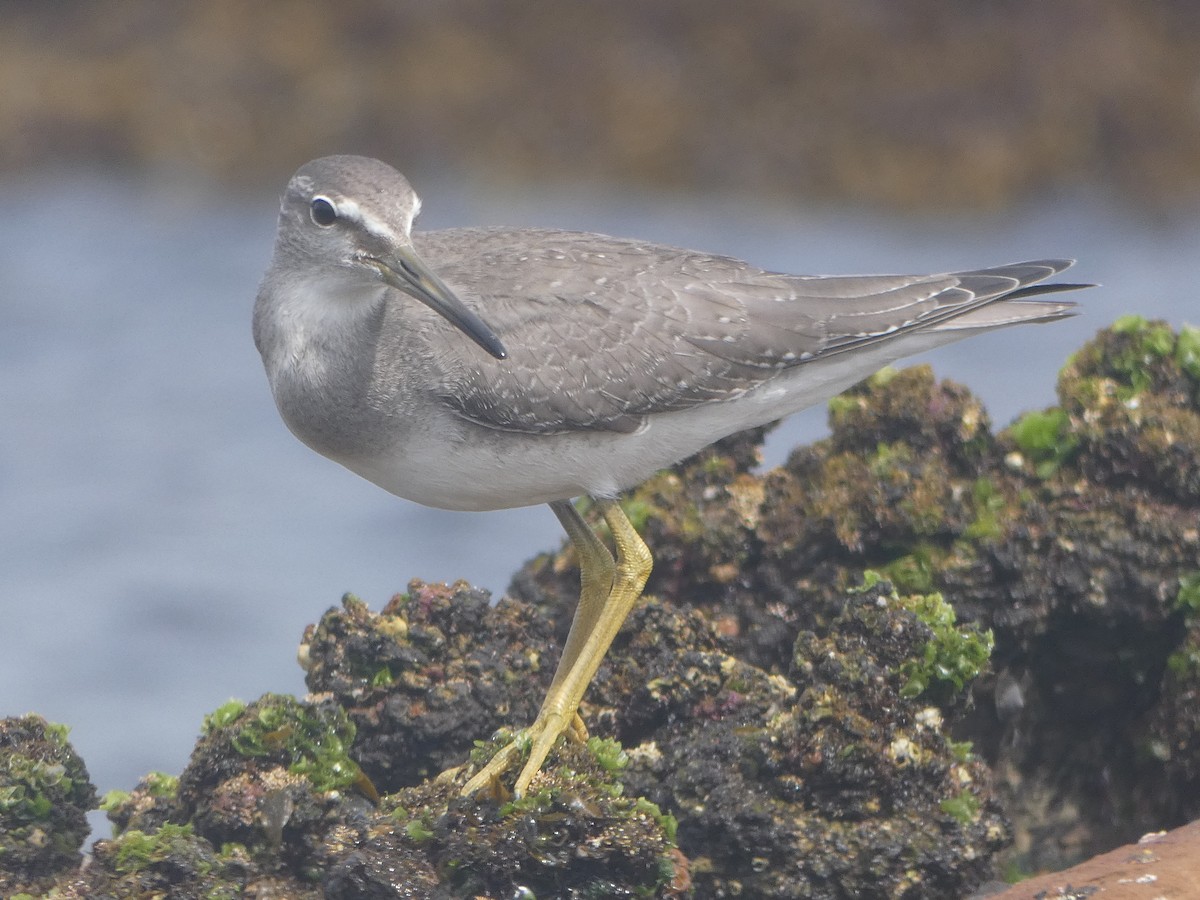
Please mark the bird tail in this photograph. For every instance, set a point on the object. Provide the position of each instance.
(1019, 305)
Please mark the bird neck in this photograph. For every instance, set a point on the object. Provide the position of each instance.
(313, 320)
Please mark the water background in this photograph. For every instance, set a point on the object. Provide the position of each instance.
(164, 540)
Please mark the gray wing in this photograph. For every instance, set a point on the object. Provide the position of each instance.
(602, 332)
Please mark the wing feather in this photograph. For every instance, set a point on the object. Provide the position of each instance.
(603, 332)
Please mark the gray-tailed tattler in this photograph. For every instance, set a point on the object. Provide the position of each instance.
(486, 368)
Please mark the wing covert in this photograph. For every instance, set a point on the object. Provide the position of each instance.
(602, 332)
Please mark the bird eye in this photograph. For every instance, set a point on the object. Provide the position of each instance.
(322, 212)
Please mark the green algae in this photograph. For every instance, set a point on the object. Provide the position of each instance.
(418, 830)
(1185, 661)
(136, 850)
(173, 858)
(45, 793)
(1138, 350)
(610, 755)
(1046, 439)
(31, 782)
(963, 807)
(989, 505)
(223, 716)
(1187, 351)
(914, 572)
(1188, 597)
(667, 822)
(851, 403)
(161, 784)
(312, 741)
(952, 657)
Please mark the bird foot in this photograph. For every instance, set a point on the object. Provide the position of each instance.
(539, 738)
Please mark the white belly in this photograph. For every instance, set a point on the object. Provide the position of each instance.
(453, 464)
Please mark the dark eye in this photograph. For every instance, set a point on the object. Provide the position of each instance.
(322, 212)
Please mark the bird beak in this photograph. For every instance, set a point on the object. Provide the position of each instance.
(404, 271)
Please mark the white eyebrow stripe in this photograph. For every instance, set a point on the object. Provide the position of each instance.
(351, 210)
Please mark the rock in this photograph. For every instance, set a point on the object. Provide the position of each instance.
(45, 795)
(1160, 864)
(848, 676)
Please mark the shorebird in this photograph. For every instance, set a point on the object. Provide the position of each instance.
(486, 368)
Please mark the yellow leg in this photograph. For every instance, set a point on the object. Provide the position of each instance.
(608, 591)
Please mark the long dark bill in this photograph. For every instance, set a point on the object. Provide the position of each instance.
(405, 271)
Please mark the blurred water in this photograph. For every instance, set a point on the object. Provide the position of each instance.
(164, 540)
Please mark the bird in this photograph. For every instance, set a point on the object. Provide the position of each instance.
(489, 368)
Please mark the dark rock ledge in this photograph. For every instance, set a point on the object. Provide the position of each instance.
(918, 656)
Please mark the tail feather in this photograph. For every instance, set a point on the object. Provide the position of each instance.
(1014, 306)
(1010, 312)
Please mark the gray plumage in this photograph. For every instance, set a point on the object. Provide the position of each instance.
(603, 332)
(484, 368)
(620, 356)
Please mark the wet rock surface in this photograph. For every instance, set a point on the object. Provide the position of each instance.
(866, 673)
(272, 805)
(1065, 535)
(717, 741)
(837, 779)
(412, 677)
(45, 795)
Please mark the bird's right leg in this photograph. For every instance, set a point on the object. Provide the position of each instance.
(596, 572)
(609, 588)
(581, 658)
